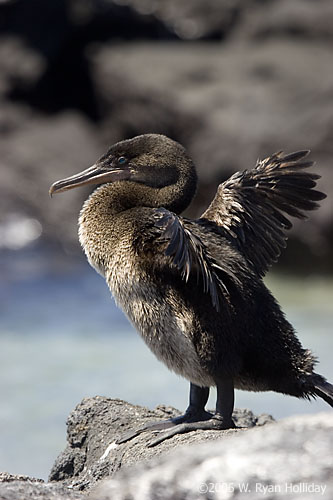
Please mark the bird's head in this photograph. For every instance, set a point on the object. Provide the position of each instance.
(151, 159)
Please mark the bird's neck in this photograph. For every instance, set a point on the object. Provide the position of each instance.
(112, 199)
(107, 215)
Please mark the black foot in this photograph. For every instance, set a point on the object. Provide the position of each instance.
(215, 423)
(187, 418)
(195, 417)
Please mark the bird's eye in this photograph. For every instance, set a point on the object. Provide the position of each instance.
(121, 160)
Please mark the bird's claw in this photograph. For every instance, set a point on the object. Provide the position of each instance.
(215, 423)
(128, 436)
(179, 425)
(152, 427)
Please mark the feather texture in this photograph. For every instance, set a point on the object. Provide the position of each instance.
(189, 254)
(251, 206)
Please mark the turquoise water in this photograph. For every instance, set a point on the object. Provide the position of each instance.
(62, 338)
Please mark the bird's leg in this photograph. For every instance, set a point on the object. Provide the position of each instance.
(225, 402)
(222, 419)
(195, 412)
(196, 408)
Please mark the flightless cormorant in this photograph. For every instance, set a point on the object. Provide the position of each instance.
(193, 288)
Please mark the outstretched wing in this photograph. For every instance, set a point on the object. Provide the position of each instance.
(250, 206)
(189, 254)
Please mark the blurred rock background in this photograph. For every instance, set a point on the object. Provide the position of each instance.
(233, 80)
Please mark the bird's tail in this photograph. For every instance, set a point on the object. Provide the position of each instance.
(324, 390)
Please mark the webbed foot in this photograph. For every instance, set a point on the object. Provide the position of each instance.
(190, 416)
(216, 423)
(195, 417)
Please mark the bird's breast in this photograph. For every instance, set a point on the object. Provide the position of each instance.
(157, 312)
(154, 307)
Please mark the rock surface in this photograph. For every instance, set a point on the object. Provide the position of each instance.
(289, 459)
(18, 487)
(95, 425)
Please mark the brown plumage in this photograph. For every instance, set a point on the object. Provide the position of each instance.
(193, 288)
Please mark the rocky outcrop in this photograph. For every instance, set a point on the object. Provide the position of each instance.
(18, 487)
(260, 458)
(291, 459)
(95, 425)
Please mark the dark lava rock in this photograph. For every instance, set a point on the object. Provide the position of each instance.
(195, 20)
(95, 425)
(291, 459)
(59, 33)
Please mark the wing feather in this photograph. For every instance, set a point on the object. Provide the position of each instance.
(189, 254)
(252, 207)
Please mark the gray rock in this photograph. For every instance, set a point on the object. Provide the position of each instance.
(35, 152)
(18, 63)
(6, 477)
(95, 425)
(221, 19)
(297, 19)
(289, 459)
(193, 20)
(19, 487)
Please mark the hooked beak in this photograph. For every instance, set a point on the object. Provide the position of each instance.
(97, 174)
